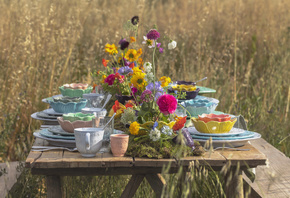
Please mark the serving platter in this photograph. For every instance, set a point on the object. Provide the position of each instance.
(234, 131)
(56, 142)
(205, 90)
(50, 111)
(59, 131)
(229, 143)
(46, 133)
(245, 135)
(34, 116)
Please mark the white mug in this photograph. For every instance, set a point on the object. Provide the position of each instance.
(88, 140)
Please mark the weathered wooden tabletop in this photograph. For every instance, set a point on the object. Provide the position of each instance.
(64, 163)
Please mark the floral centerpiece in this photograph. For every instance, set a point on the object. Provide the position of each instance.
(149, 112)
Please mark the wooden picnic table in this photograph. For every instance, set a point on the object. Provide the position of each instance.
(58, 163)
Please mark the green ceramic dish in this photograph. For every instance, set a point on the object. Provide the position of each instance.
(66, 99)
(75, 92)
(78, 116)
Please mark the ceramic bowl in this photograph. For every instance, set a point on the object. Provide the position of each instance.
(69, 126)
(78, 116)
(75, 92)
(213, 126)
(75, 86)
(213, 117)
(200, 106)
(70, 107)
(189, 94)
(66, 99)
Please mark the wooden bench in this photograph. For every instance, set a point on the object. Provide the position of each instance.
(9, 177)
(272, 180)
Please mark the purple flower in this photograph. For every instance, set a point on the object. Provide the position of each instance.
(153, 34)
(147, 96)
(125, 70)
(161, 50)
(123, 44)
(158, 45)
(155, 125)
(158, 89)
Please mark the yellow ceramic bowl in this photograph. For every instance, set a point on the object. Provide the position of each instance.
(213, 126)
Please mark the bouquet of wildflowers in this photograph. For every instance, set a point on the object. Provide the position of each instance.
(150, 115)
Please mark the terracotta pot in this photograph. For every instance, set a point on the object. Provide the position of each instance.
(119, 144)
(122, 99)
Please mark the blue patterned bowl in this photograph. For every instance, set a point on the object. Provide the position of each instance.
(200, 106)
(70, 107)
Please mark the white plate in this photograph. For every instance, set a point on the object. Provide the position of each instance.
(34, 116)
(230, 143)
(50, 98)
(57, 142)
(233, 131)
(50, 111)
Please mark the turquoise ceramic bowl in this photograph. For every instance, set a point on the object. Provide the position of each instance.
(199, 107)
(70, 107)
(75, 92)
(78, 116)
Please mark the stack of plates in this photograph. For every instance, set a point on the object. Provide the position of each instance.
(56, 136)
(49, 116)
(235, 138)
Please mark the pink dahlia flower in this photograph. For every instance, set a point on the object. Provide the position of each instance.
(110, 79)
(167, 104)
(153, 34)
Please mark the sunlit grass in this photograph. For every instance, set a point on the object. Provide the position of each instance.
(243, 47)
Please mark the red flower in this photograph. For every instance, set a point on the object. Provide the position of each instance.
(105, 62)
(167, 104)
(110, 79)
(179, 124)
(132, 65)
(119, 77)
(116, 106)
(128, 105)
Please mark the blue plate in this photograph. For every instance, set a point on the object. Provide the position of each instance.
(46, 133)
(245, 135)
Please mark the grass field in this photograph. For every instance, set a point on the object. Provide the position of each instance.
(242, 46)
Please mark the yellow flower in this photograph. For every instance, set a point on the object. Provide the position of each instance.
(134, 128)
(164, 81)
(140, 62)
(111, 49)
(132, 55)
(136, 70)
(138, 80)
(103, 78)
(139, 52)
(132, 39)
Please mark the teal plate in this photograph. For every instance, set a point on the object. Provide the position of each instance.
(46, 133)
(57, 130)
(205, 90)
(245, 135)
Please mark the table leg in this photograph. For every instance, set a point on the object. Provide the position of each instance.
(53, 185)
(156, 182)
(234, 184)
(132, 186)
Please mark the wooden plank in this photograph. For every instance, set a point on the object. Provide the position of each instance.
(132, 186)
(147, 162)
(49, 159)
(53, 185)
(9, 177)
(75, 160)
(272, 180)
(157, 183)
(251, 158)
(110, 161)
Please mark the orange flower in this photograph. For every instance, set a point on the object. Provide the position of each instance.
(179, 124)
(132, 39)
(105, 62)
(139, 52)
(132, 65)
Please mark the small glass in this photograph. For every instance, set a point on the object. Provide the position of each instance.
(108, 131)
(94, 100)
(180, 111)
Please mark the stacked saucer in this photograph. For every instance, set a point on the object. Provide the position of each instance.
(49, 116)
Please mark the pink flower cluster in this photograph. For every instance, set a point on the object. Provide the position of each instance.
(167, 104)
(153, 34)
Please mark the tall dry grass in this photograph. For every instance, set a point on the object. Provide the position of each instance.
(242, 46)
